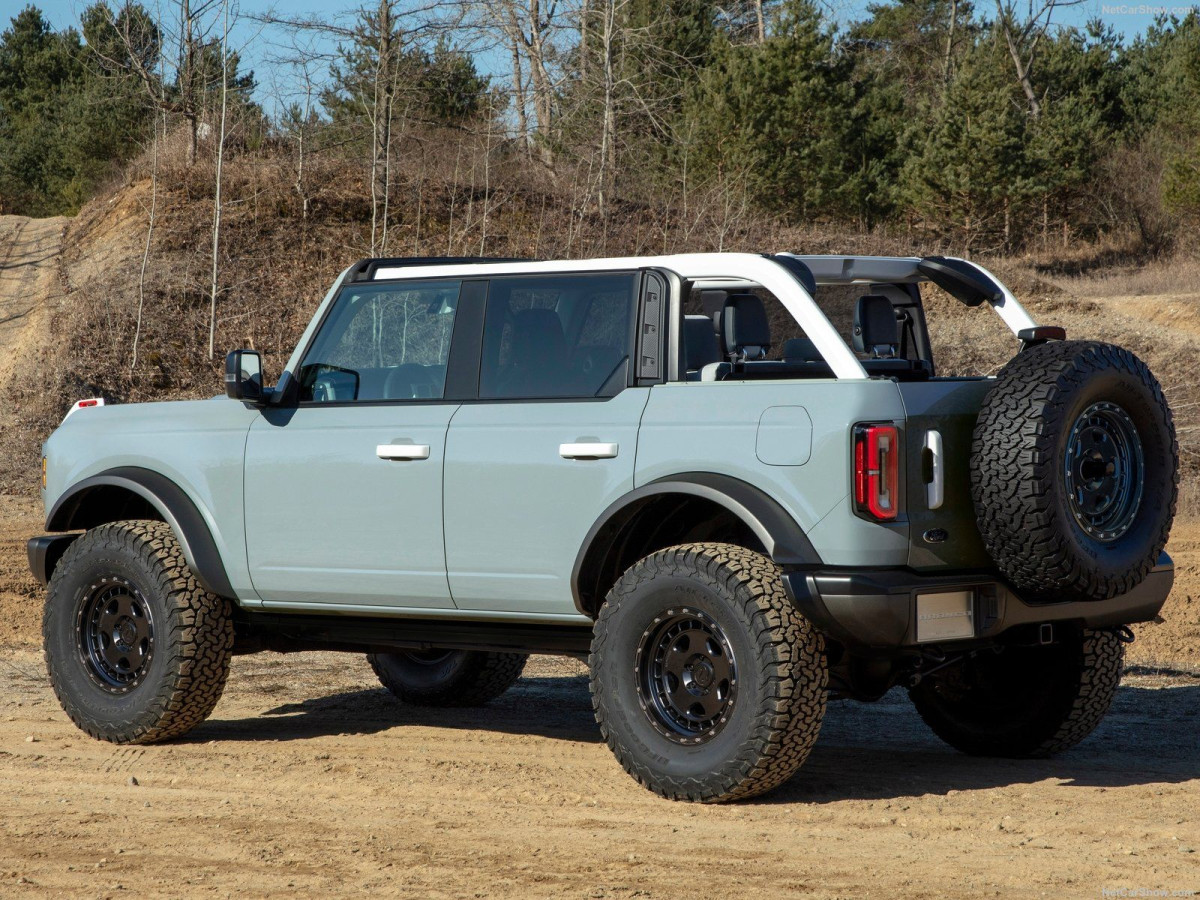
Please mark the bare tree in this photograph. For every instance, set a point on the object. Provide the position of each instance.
(1023, 31)
(216, 242)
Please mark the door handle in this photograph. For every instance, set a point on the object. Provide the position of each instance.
(402, 451)
(935, 489)
(588, 450)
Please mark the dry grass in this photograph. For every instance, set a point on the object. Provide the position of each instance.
(1176, 277)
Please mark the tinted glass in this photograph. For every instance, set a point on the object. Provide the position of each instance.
(550, 336)
(382, 342)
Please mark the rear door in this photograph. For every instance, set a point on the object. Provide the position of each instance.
(549, 443)
(343, 490)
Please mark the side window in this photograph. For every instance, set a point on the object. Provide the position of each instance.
(557, 336)
(387, 341)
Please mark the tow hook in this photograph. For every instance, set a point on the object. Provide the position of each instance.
(1125, 634)
(942, 661)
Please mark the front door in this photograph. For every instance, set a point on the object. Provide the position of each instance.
(343, 490)
(549, 443)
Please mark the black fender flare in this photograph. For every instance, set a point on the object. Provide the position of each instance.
(780, 534)
(171, 502)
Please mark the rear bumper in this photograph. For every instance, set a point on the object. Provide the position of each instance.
(880, 608)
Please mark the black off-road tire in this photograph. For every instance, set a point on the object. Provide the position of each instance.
(734, 599)
(1023, 448)
(1025, 701)
(448, 677)
(188, 635)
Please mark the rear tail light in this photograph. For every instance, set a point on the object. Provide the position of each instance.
(877, 471)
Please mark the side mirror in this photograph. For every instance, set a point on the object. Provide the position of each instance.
(243, 376)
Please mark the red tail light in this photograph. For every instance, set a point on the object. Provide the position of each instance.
(877, 471)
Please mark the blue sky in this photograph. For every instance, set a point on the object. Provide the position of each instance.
(1129, 17)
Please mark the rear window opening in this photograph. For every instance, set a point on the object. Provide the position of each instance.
(894, 343)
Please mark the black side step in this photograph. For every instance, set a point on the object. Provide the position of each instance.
(294, 632)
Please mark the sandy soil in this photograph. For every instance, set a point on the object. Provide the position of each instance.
(309, 779)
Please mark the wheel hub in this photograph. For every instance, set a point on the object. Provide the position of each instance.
(686, 676)
(115, 634)
(1104, 470)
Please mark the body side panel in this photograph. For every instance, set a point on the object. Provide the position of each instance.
(714, 427)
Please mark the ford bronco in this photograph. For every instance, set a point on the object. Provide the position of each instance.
(677, 467)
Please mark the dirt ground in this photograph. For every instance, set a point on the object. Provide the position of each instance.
(310, 779)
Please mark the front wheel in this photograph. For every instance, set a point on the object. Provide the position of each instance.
(441, 677)
(1024, 701)
(136, 650)
(707, 683)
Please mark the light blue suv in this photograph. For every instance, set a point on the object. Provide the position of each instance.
(677, 467)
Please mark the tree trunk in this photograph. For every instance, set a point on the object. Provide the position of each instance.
(1022, 70)
(212, 315)
(948, 61)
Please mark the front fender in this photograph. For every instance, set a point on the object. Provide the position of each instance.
(90, 502)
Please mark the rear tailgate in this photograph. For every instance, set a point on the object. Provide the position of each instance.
(945, 537)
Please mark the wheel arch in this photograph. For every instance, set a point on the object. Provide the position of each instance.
(131, 492)
(667, 511)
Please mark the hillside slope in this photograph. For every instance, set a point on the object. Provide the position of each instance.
(29, 253)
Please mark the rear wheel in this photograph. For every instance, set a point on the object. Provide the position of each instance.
(1024, 701)
(441, 677)
(136, 650)
(707, 683)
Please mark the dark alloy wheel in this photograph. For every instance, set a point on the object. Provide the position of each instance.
(116, 634)
(136, 650)
(707, 684)
(687, 676)
(1105, 471)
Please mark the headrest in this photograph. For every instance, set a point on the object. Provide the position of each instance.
(700, 346)
(875, 328)
(536, 334)
(745, 331)
(802, 350)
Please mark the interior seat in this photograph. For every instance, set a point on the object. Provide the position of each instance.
(700, 344)
(745, 335)
(876, 330)
(801, 349)
(407, 382)
(537, 354)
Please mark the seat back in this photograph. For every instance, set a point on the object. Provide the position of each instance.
(744, 329)
(875, 328)
(700, 345)
(801, 349)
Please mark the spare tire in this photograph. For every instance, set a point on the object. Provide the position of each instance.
(1075, 471)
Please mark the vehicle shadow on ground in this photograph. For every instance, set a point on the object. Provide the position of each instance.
(556, 707)
(866, 751)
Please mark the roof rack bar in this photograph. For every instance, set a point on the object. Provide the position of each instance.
(365, 269)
